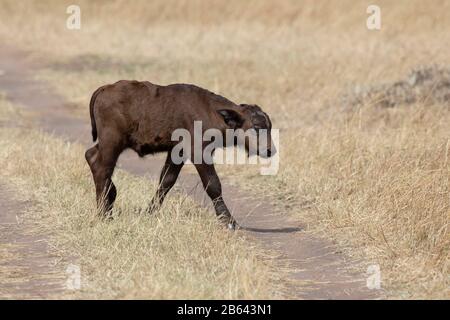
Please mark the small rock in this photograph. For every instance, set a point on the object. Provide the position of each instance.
(428, 83)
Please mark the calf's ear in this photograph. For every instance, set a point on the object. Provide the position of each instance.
(232, 118)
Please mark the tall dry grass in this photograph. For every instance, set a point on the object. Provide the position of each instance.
(382, 188)
(375, 180)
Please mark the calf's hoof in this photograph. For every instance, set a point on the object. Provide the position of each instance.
(106, 216)
(230, 223)
(232, 226)
(151, 209)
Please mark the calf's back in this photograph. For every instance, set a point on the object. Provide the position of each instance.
(143, 115)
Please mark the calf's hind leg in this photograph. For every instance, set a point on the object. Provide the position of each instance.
(102, 160)
(91, 156)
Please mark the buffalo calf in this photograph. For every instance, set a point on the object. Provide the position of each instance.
(142, 116)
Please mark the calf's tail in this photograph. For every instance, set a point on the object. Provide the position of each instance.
(91, 112)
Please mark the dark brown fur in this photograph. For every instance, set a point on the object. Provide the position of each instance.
(142, 116)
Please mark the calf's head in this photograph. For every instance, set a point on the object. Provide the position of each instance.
(252, 129)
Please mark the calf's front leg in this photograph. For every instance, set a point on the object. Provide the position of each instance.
(168, 177)
(213, 188)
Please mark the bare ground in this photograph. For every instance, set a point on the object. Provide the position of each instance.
(28, 268)
(317, 269)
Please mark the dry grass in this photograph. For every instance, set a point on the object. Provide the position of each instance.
(376, 180)
(383, 189)
(180, 253)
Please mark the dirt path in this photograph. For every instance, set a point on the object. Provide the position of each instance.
(322, 273)
(27, 269)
